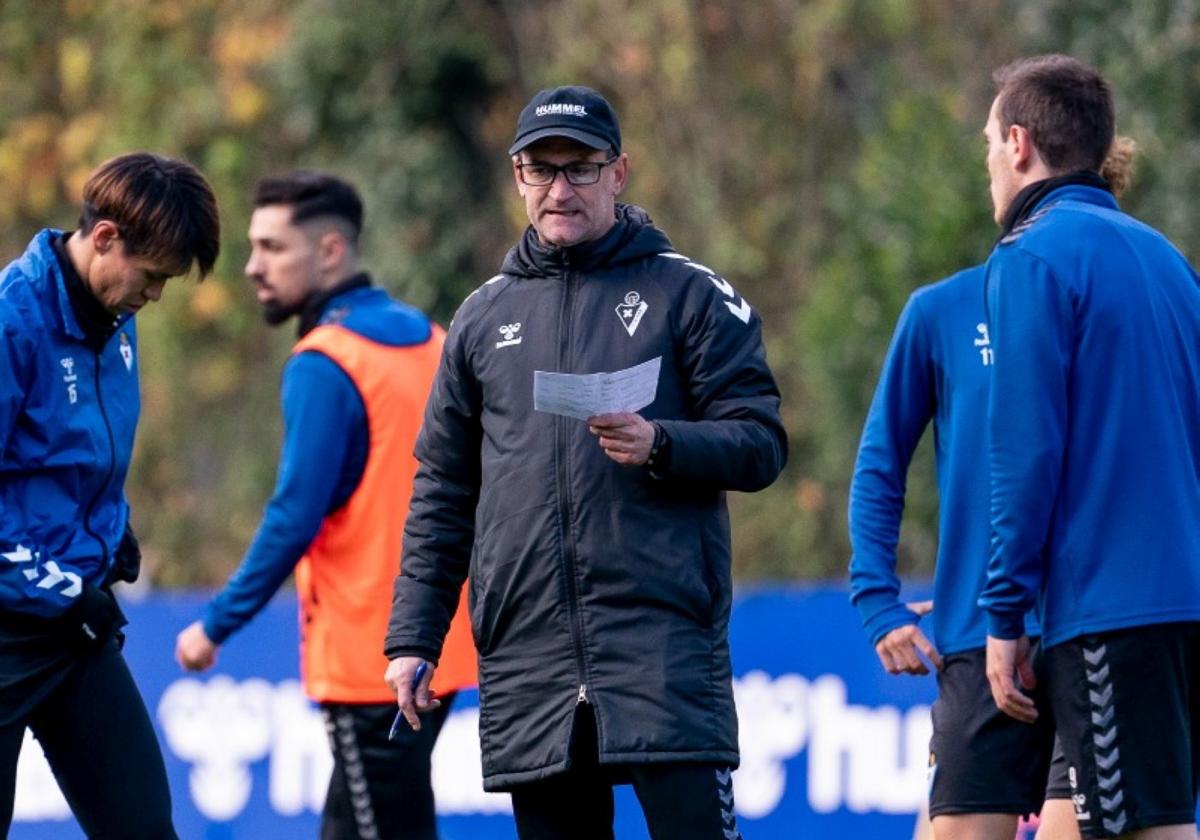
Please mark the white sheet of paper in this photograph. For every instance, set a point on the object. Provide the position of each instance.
(584, 395)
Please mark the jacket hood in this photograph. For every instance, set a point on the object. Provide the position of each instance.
(632, 238)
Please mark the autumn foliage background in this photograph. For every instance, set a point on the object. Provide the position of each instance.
(825, 156)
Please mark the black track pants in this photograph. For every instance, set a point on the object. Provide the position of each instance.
(680, 800)
(100, 743)
(380, 789)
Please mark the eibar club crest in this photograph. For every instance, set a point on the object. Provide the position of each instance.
(126, 351)
(631, 310)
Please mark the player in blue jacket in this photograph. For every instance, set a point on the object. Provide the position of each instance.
(1094, 426)
(986, 769)
(938, 369)
(68, 410)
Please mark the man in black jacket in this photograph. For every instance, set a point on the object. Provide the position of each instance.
(598, 551)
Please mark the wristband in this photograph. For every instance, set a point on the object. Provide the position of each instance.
(660, 451)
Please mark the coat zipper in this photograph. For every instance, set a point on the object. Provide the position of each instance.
(112, 457)
(565, 349)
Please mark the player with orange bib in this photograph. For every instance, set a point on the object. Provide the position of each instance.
(354, 390)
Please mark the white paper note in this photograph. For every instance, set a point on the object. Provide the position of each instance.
(584, 395)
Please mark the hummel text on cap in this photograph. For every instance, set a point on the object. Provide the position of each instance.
(577, 112)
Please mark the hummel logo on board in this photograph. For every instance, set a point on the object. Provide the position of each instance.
(509, 331)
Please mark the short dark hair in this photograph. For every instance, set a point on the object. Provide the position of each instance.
(1065, 105)
(164, 209)
(312, 195)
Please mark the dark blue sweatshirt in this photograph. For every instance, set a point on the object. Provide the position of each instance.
(938, 367)
(1094, 423)
(324, 453)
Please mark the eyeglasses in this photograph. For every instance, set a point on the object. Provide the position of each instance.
(578, 174)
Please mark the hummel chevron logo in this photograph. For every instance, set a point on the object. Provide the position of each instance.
(726, 797)
(742, 311)
(1109, 783)
(723, 776)
(1098, 677)
(1105, 741)
(1113, 804)
(1116, 825)
(722, 284)
(20, 554)
(1101, 698)
(1093, 657)
(1102, 720)
(1107, 763)
(55, 576)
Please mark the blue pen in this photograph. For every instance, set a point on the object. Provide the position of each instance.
(401, 722)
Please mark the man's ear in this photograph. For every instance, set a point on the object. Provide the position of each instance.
(104, 235)
(517, 176)
(620, 173)
(1022, 152)
(331, 250)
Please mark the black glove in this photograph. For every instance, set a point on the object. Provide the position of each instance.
(127, 562)
(95, 618)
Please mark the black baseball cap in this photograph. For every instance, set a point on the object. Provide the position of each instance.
(577, 112)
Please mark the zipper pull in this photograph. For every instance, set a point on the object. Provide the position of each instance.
(582, 695)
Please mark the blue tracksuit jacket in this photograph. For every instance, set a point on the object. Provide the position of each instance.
(67, 420)
(937, 368)
(1094, 423)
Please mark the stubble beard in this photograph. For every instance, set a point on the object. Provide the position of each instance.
(275, 313)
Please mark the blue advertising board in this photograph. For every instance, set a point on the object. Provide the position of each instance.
(831, 745)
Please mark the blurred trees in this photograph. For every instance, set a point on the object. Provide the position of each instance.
(823, 155)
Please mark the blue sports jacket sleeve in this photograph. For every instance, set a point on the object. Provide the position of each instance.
(324, 420)
(903, 405)
(11, 377)
(737, 442)
(1031, 328)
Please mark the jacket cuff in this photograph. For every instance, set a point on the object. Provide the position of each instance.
(882, 613)
(1006, 625)
(396, 651)
(216, 633)
(660, 452)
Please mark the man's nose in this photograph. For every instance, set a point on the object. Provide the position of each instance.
(560, 187)
(154, 290)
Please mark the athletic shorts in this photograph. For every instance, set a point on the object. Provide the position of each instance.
(1127, 705)
(981, 761)
(1057, 786)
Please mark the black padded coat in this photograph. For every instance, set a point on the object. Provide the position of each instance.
(589, 581)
